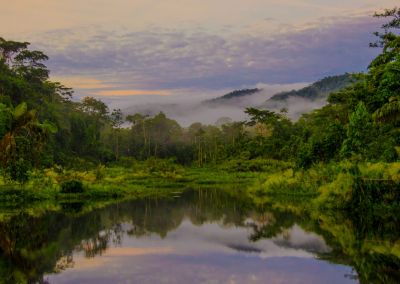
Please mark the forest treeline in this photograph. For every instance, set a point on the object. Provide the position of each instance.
(40, 124)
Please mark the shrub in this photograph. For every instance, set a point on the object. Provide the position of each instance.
(18, 170)
(162, 166)
(337, 193)
(100, 172)
(72, 186)
(255, 165)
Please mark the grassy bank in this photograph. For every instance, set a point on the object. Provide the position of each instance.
(124, 180)
(327, 186)
(333, 186)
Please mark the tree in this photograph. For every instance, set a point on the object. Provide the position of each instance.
(358, 132)
(389, 112)
(117, 120)
(139, 122)
(384, 70)
(94, 107)
(388, 35)
(9, 48)
(21, 145)
(262, 116)
(97, 112)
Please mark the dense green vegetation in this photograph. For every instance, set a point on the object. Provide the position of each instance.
(234, 95)
(317, 90)
(68, 169)
(332, 153)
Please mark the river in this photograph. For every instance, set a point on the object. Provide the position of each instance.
(194, 236)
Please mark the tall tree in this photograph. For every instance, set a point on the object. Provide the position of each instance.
(21, 145)
(117, 119)
(358, 132)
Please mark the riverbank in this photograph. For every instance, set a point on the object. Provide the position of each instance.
(343, 185)
(136, 179)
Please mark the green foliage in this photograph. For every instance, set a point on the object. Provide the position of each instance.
(338, 193)
(389, 111)
(18, 170)
(368, 194)
(100, 172)
(5, 119)
(343, 185)
(262, 116)
(305, 157)
(23, 142)
(20, 110)
(94, 107)
(358, 133)
(235, 94)
(164, 168)
(255, 165)
(289, 163)
(318, 89)
(72, 186)
(40, 126)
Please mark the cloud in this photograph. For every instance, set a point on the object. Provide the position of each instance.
(193, 108)
(142, 14)
(83, 83)
(83, 263)
(173, 70)
(162, 59)
(132, 93)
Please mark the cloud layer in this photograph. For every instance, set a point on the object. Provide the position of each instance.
(137, 52)
(172, 59)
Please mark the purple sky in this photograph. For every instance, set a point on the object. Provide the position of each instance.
(164, 47)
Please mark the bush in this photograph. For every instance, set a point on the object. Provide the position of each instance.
(18, 170)
(72, 186)
(338, 193)
(126, 162)
(162, 166)
(255, 165)
(100, 172)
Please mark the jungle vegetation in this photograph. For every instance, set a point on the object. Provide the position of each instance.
(332, 153)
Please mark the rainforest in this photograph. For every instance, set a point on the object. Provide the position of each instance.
(90, 194)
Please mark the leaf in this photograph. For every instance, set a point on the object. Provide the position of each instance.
(20, 110)
(5, 119)
(389, 112)
(49, 127)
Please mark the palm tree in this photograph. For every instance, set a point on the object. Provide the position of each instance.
(389, 112)
(24, 141)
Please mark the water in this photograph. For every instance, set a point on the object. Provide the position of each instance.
(199, 236)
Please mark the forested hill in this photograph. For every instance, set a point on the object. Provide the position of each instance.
(232, 96)
(318, 90)
(296, 102)
(308, 98)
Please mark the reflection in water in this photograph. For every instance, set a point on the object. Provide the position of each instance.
(202, 236)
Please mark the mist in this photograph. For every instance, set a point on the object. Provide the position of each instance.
(296, 106)
(188, 107)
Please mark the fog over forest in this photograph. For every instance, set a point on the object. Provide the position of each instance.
(187, 109)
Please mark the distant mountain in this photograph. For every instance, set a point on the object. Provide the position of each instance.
(231, 106)
(233, 96)
(317, 90)
(296, 101)
(308, 98)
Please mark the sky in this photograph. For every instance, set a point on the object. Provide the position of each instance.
(142, 48)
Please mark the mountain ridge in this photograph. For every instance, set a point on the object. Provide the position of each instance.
(318, 89)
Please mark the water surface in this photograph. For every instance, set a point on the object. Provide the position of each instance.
(198, 236)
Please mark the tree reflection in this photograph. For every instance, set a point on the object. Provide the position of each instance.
(32, 246)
